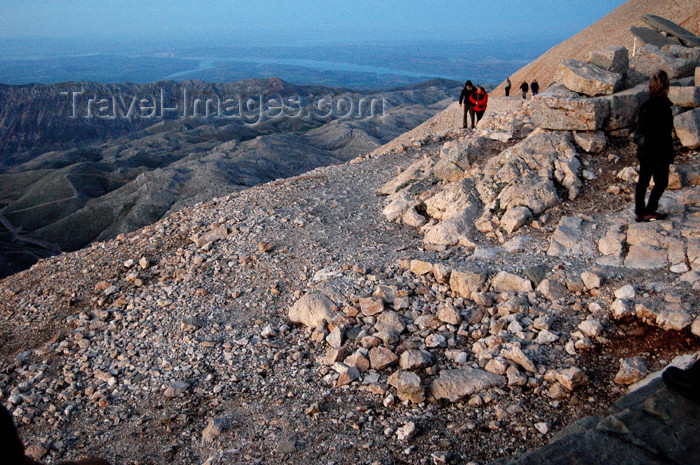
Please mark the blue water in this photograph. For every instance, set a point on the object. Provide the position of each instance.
(207, 63)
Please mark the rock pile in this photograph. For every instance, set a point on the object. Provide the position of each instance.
(432, 333)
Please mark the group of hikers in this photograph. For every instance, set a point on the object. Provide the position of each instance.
(534, 86)
(653, 136)
(654, 139)
(474, 99)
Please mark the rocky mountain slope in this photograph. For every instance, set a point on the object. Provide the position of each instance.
(454, 297)
(152, 167)
(613, 29)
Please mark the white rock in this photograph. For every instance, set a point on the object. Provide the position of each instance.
(626, 292)
(620, 310)
(406, 432)
(591, 327)
(542, 427)
(312, 310)
(591, 280)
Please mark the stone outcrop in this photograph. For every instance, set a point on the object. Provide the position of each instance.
(652, 425)
(586, 78)
(687, 127)
(651, 36)
(614, 59)
(683, 35)
(649, 59)
(561, 109)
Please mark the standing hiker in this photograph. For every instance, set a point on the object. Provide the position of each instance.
(507, 87)
(480, 99)
(465, 97)
(524, 87)
(535, 87)
(654, 139)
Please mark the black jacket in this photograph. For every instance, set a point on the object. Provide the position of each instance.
(465, 96)
(655, 125)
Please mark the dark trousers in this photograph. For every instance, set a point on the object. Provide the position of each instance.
(479, 114)
(468, 109)
(507, 89)
(650, 169)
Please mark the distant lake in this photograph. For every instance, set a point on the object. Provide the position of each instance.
(208, 63)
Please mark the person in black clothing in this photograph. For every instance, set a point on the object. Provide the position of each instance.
(465, 97)
(524, 87)
(654, 139)
(507, 87)
(535, 87)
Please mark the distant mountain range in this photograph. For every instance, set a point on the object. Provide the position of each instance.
(82, 161)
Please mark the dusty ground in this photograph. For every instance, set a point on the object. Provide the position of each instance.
(271, 389)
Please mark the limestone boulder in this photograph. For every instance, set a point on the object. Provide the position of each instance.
(416, 171)
(561, 109)
(382, 357)
(451, 201)
(572, 378)
(455, 385)
(660, 24)
(566, 237)
(453, 231)
(408, 386)
(515, 218)
(649, 59)
(688, 96)
(673, 317)
(652, 37)
(687, 126)
(680, 51)
(399, 206)
(623, 106)
(509, 282)
(462, 153)
(313, 309)
(447, 171)
(465, 283)
(535, 193)
(591, 141)
(586, 78)
(614, 59)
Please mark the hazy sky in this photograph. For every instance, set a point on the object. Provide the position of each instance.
(299, 19)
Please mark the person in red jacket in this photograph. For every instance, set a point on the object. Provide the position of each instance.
(480, 99)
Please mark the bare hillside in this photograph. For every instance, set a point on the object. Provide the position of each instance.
(613, 29)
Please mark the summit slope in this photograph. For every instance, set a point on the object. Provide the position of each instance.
(613, 29)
